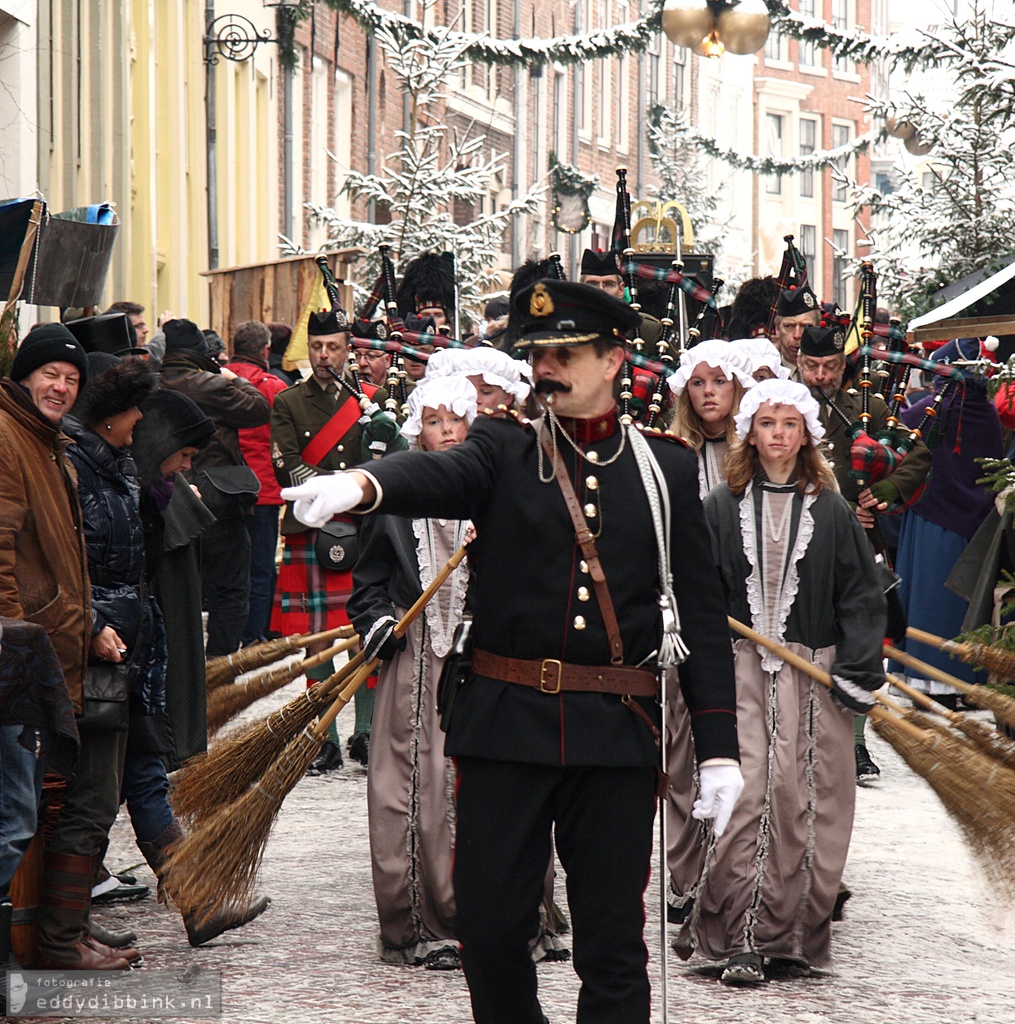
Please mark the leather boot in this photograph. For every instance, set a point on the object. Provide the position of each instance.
(118, 940)
(64, 899)
(131, 955)
(199, 931)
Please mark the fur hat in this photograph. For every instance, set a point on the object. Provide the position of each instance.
(428, 280)
(50, 343)
(115, 389)
(171, 421)
(748, 315)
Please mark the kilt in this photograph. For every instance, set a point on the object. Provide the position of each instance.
(308, 597)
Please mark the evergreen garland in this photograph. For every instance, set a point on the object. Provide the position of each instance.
(571, 191)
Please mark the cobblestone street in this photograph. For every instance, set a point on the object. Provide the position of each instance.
(923, 940)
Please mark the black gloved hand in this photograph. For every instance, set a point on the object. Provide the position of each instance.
(381, 641)
(852, 696)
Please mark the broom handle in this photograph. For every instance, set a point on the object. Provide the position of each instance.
(931, 640)
(362, 674)
(313, 660)
(339, 632)
(922, 699)
(819, 674)
(931, 672)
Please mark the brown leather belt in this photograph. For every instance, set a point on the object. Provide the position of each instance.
(553, 676)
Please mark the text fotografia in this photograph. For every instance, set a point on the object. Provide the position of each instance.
(190, 993)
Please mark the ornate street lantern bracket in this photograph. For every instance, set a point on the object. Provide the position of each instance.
(234, 37)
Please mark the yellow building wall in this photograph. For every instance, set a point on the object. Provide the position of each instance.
(122, 104)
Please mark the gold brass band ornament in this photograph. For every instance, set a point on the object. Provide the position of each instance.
(713, 27)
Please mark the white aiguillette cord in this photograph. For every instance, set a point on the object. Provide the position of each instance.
(672, 651)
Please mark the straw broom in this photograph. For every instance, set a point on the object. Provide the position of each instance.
(224, 773)
(1001, 704)
(224, 669)
(218, 862)
(989, 740)
(1001, 663)
(227, 701)
(976, 791)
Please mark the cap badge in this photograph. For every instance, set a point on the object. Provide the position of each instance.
(839, 341)
(381, 331)
(540, 304)
(808, 299)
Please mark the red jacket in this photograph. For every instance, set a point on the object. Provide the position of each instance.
(255, 442)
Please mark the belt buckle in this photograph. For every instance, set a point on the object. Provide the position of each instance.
(551, 663)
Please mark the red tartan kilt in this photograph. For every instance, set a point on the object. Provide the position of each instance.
(308, 597)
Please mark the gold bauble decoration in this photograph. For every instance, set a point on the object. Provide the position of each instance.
(900, 128)
(687, 22)
(744, 28)
(916, 147)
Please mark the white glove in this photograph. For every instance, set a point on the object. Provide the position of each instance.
(719, 787)
(317, 500)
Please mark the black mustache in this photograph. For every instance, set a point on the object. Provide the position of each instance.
(545, 386)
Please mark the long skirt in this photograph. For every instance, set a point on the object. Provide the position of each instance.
(410, 802)
(770, 884)
(927, 554)
(685, 836)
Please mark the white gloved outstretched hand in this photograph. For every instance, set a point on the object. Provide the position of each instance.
(317, 500)
(719, 787)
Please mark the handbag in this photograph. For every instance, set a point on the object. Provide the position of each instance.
(106, 693)
(228, 491)
(454, 672)
(337, 545)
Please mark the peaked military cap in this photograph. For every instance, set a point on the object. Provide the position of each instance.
(599, 264)
(796, 302)
(553, 313)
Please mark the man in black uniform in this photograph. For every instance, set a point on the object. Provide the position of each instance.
(556, 727)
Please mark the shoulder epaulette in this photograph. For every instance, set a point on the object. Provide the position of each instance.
(663, 435)
(502, 412)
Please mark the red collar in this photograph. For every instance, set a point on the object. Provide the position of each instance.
(588, 431)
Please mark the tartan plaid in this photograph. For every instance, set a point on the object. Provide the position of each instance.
(793, 271)
(686, 284)
(308, 597)
(912, 359)
(870, 460)
(374, 299)
(642, 361)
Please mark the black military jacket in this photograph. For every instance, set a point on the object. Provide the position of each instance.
(533, 598)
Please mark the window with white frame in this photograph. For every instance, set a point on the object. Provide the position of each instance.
(841, 135)
(840, 286)
(809, 248)
(840, 22)
(808, 51)
(808, 146)
(773, 149)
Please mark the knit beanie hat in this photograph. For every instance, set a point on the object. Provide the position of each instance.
(51, 343)
(171, 422)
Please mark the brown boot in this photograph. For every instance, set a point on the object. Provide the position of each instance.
(64, 899)
(128, 953)
(199, 931)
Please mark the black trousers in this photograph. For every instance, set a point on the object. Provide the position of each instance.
(225, 581)
(602, 820)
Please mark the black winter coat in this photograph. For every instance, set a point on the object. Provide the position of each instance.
(109, 493)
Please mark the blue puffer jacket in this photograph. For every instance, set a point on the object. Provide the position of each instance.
(109, 493)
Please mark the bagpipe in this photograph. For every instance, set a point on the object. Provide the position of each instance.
(380, 433)
(875, 457)
(792, 274)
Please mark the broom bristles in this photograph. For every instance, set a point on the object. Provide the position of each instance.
(217, 864)
(975, 790)
(222, 775)
(1001, 663)
(228, 701)
(225, 772)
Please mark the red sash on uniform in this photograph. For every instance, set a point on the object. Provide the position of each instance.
(335, 429)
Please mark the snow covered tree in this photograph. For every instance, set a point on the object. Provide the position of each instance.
(436, 167)
(954, 213)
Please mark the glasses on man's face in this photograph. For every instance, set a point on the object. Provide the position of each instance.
(372, 355)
